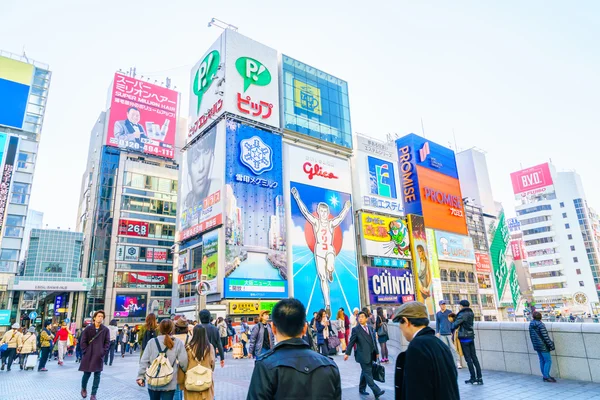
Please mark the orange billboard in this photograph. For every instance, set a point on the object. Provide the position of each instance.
(441, 201)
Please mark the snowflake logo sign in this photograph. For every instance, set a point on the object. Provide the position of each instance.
(256, 155)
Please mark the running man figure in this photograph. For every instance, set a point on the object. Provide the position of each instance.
(323, 228)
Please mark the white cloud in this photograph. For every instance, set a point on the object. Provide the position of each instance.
(296, 236)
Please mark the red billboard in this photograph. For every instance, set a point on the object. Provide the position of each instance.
(517, 252)
(532, 180)
(191, 276)
(483, 263)
(143, 280)
(133, 228)
(143, 117)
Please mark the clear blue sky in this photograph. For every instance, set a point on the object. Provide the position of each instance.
(517, 79)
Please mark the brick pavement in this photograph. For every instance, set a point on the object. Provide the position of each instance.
(118, 382)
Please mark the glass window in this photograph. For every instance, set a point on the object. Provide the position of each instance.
(570, 237)
(7, 254)
(453, 276)
(575, 259)
(474, 299)
(564, 215)
(462, 277)
(13, 231)
(455, 298)
(21, 188)
(567, 226)
(581, 283)
(444, 275)
(572, 248)
(19, 198)
(164, 185)
(471, 277)
(578, 271)
(562, 205)
(15, 220)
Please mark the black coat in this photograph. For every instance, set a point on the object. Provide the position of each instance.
(539, 337)
(291, 370)
(426, 370)
(366, 347)
(214, 338)
(464, 324)
(94, 349)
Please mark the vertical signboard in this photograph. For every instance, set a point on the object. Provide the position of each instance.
(515, 291)
(498, 247)
(384, 236)
(201, 184)
(483, 263)
(434, 266)
(143, 117)
(516, 249)
(421, 263)
(15, 84)
(321, 231)
(377, 176)
(210, 261)
(255, 212)
(7, 173)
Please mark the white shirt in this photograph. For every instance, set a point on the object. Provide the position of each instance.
(413, 338)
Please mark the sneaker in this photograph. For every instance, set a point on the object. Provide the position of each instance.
(479, 382)
(471, 381)
(459, 366)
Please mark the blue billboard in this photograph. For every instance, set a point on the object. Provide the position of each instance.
(15, 84)
(430, 155)
(255, 213)
(315, 103)
(381, 177)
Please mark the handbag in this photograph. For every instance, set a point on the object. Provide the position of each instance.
(333, 341)
(378, 372)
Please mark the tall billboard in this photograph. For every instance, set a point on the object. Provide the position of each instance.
(143, 117)
(421, 263)
(315, 103)
(377, 176)
(532, 181)
(201, 184)
(236, 75)
(255, 212)
(15, 85)
(383, 236)
(7, 174)
(498, 246)
(321, 230)
(434, 267)
(430, 185)
(452, 247)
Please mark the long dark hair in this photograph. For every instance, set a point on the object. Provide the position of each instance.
(380, 314)
(199, 344)
(320, 315)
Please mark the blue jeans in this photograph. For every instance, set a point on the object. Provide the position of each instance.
(178, 394)
(545, 363)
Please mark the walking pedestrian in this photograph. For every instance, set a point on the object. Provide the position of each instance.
(132, 340)
(222, 326)
(62, 337)
(46, 338)
(542, 344)
(175, 353)
(443, 330)
(346, 328)
(466, 336)
(321, 326)
(78, 333)
(114, 333)
(426, 369)
(28, 347)
(261, 338)
(381, 327)
(213, 334)
(354, 318)
(181, 333)
(124, 340)
(363, 336)
(14, 339)
(230, 333)
(291, 370)
(95, 342)
(148, 331)
(244, 335)
(200, 352)
(341, 328)
(308, 337)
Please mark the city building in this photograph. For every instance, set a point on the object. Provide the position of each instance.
(128, 203)
(24, 86)
(557, 228)
(35, 220)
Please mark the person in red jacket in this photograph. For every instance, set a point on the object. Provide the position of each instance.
(62, 337)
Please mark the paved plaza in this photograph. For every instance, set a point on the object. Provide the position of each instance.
(118, 382)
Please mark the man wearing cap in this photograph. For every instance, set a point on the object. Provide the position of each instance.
(14, 339)
(426, 369)
(443, 330)
(466, 336)
(366, 352)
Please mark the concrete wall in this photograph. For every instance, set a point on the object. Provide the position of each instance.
(506, 346)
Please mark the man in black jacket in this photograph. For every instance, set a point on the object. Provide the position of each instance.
(426, 370)
(291, 370)
(466, 336)
(366, 352)
(213, 334)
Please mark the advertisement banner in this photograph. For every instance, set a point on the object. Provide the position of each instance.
(201, 184)
(237, 307)
(322, 230)
(434, 267)
(7, 174)
(513, 225)
(160, 307)
(484, 281)
(131, 305)
(210, 261)
(143, 117)
(483, 263)
(532, 181)
(451, 247)
(377, 174)
(15, 84)
(389, 262)
(5, 318)
(131, 253)
(516, 249)
(501, 237)
(315, 103)
(128, 227)
(143, 280)
(255, 212)
(183, 264)
(187, 277)
(255, 289)
(515, 290)
(384, 236)
(421, 268)
(390, 286)
(427, 154)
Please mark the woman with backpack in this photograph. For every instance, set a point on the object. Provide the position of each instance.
(381, 327)
(201, 356)
(148, 331)
(159, 363)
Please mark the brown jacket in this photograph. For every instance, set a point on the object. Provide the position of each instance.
(209, 362)
(29, 343)
(13, 338)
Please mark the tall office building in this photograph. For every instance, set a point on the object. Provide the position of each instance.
(128, 203)
(24, 85)
(558, 238)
